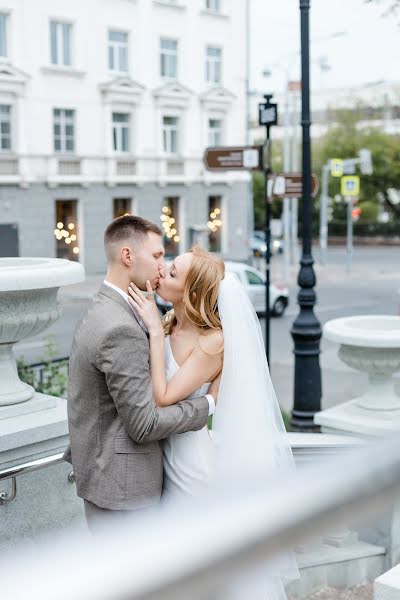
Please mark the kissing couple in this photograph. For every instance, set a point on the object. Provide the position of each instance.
(141, 390)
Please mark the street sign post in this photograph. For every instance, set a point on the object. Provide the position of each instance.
(232, 158)
(350, 190)
(267, 116)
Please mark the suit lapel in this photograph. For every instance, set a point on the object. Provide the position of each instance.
(105, 290)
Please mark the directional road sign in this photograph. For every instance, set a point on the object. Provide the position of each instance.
(290, 185)
(228, 158)
(350, 185)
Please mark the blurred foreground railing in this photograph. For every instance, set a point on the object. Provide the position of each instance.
(195, 550)
(28, 467)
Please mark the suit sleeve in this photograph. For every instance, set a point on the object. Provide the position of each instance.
(123, 357)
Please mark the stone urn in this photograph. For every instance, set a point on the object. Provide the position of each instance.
(370, 344)
(28, 304)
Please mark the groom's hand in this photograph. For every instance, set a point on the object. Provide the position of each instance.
(214, 387)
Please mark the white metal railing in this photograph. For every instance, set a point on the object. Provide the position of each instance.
(192, 551)
(28, 467)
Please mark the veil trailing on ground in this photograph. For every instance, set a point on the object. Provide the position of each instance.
(251, 444)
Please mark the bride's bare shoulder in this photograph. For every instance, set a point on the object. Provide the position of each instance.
(212, 342)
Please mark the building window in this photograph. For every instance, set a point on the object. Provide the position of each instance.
(170, 224)
(118, 51)
(3, 34)
(121, 207)
(214, 5)
(213, 65)
(66, 229)
(121, 132)
(5, 128)
(64, 130)
(214, 132)
(168, 58)
(214, 223)
(170, 135)
(60, 43)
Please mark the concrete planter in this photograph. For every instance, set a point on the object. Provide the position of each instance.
(370, 344)
(28, 301)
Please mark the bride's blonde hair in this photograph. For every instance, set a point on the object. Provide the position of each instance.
(201, 292)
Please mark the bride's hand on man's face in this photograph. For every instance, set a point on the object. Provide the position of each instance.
(146, 308)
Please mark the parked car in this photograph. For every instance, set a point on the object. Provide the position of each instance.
(254, 283)
(258, 246)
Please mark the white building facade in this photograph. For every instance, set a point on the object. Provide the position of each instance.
(106, 107)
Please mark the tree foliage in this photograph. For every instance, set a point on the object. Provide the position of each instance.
(344, 140)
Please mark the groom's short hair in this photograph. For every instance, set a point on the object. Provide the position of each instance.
(128, 228)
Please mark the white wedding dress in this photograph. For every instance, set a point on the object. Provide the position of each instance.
(193, 461)
(187, 456)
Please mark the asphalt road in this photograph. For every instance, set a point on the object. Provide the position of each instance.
(372, 287)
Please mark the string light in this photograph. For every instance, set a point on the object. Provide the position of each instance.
(215, 223)
(167, 221)
(63, 234)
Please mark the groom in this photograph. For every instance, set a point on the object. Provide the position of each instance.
(115, 427)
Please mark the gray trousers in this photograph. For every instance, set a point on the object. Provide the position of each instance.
(98, 519)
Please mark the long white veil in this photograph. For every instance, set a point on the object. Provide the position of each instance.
(252, 447)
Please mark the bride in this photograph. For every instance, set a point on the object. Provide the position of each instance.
(213, 332)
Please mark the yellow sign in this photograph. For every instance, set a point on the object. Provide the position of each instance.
(336, 167)
(350, 185)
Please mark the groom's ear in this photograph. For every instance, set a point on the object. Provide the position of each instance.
(127, 256)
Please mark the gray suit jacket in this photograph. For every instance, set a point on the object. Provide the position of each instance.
(115, 427)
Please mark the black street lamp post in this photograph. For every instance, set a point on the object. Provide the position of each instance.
(306, 329)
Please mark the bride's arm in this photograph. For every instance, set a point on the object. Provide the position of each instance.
(202, 365)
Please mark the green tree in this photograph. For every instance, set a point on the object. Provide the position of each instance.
(344, 140)
(369, 211)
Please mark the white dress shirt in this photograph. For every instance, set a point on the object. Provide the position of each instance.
(210, 398)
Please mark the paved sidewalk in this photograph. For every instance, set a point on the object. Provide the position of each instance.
(363, 591)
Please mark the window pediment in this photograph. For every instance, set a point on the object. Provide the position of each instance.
(12, 80)
(217, 97)
(122, 89)
(173, 93)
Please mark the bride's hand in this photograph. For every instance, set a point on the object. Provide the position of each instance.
(146, 308)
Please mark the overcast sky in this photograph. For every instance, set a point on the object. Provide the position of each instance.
(369, 51)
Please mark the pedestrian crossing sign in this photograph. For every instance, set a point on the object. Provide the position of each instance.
(350, 185)
(336, 167)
